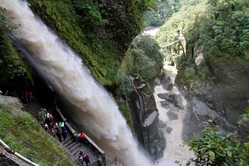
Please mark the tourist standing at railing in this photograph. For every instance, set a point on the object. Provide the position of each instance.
(82, 137)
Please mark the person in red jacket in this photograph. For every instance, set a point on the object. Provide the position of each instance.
(82, 137)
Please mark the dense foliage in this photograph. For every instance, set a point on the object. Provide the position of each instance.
(223, 29)
(90, 16)
(213, 148)
(163, 10)
(147, 57)
(220, 28)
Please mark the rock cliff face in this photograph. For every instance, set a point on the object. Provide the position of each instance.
(123, 21)
(223, 99)
(146, 124)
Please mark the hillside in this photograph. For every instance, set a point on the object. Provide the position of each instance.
(216, 33)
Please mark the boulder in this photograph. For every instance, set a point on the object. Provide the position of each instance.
(169, 129)
(172, 115)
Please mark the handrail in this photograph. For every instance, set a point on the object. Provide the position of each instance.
(95, 145)
(76, 135)
(17, 154)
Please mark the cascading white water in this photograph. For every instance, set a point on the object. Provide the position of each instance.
(65, 72)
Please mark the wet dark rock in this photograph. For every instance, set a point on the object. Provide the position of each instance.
(169, 129)
(172, 115)
(174, 109)
(171, 98)
(178, 101)
(165, 104)
(163, 95)
(168, 97)
(226, 95)
(156, 82)
(161, 144)
(162, 124)
(166, 81)
(168, 86)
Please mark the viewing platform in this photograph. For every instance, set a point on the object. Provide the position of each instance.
(72, 145)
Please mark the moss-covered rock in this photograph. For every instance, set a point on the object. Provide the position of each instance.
(147, 58)
(14, 71)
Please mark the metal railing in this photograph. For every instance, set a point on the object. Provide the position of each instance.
(17, 154)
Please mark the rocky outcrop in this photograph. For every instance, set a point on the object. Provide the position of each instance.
(13, 102)
(146, 123)
(223, 99)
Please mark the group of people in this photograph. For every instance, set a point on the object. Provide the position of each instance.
(58, 129)
(54, 128)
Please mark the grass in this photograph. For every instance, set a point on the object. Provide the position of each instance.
(23, 133)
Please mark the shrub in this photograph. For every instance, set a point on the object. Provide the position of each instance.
(212, 148)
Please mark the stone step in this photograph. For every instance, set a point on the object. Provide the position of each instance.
(69, 146)
(34, 112)
(74, 147)
(34, 106)
(76, 151)
(68, 141)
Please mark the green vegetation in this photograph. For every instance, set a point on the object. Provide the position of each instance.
(212, 28)
(126, 86)
(90, 16)
(212, 148)
(162, 11)
(144, 59)
(4, 22)
(23, 133)
(125, 110)
(245, 116)
(218, 30)
(147, 59)
(13, 71)
(223, 29)
(62, 17)
(173, 50)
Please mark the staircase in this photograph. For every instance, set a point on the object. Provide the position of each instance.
(71, 145)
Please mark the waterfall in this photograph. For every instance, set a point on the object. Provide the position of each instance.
(93, 108)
